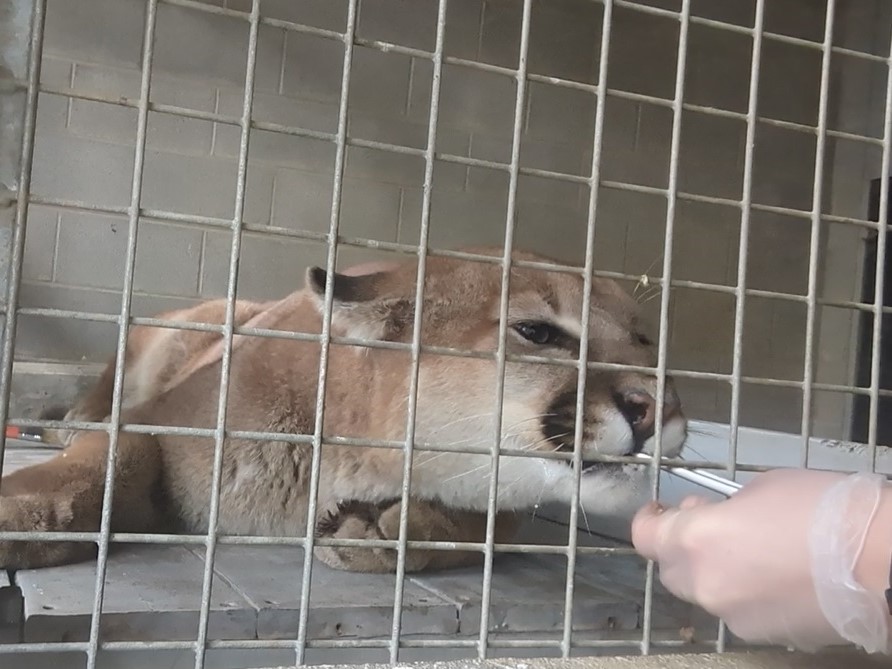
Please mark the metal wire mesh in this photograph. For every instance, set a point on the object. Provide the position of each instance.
(136, 213)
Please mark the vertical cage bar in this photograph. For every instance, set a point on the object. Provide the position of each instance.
(408, 451)
(228, 325)
(325, 343)
(663, 341)
(743, 254)
(123, 328)
(23, 194)
(585, 321)
(880, 275)
(501, 354)
(814, 248)
(745, 215)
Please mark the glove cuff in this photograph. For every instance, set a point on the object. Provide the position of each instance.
(836, 539)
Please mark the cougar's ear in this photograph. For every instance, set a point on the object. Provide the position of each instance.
(347, 289)
(359, 307)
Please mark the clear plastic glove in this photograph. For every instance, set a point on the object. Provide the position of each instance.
(749, 559)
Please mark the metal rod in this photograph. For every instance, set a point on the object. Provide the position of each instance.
(632, 5)
(814, 240)
(325, 344)
(26, 161)
(371, 643)
(446, 253)
(123, 330)
(585, 325)
(412, 408)
(310, 235)
(663, 339)
(188, 112)
(501, 352)
(879, 270)
(743, 255)
(228, 335)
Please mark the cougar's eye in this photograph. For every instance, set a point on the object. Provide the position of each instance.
(538, 333)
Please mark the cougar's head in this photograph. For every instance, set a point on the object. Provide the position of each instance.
(458, 406)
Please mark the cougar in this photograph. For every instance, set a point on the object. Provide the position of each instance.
(163, 483)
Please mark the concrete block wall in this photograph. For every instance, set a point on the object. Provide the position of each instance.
(84, 151)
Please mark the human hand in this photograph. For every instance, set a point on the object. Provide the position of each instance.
(748, 559)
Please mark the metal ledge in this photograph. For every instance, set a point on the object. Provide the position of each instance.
(754, 660)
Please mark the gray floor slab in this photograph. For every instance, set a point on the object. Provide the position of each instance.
(151, 592)
(625, 577)
(528, 594)
(20, 453)
(342, 604)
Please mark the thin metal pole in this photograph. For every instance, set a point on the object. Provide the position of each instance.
(310, 235)
(663, 339)
(880, 273)
(408, 451)
(226, 360)
(342, 643)
(35, 55)
(632, 5)
(501, 353)
(814, 243)
(123, 330)
(743, 254)
(585, 324)
(325, 343)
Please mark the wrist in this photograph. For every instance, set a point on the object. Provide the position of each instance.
(844, 523)
(872, 569)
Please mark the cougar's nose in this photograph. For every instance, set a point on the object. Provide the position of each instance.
(640, 410)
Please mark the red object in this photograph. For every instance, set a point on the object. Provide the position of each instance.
(13, 432)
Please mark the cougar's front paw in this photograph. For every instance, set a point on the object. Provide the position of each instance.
(363, 520)
(14, 517)
(350, 520)
(32, 513)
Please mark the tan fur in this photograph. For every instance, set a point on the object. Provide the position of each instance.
(172, 377)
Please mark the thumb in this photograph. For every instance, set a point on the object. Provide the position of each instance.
(647, 528)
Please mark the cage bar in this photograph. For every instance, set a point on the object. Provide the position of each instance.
(501, 354)
(187, 112)
(879, 278)
(226, 361)
(334, 223)
(817, 203)
(17, 252)
(417, 316)
(625, 4)
(123, 331)
(663, 338)
(740, 302)
(585, 323)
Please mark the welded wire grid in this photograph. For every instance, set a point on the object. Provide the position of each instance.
(135, 212)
